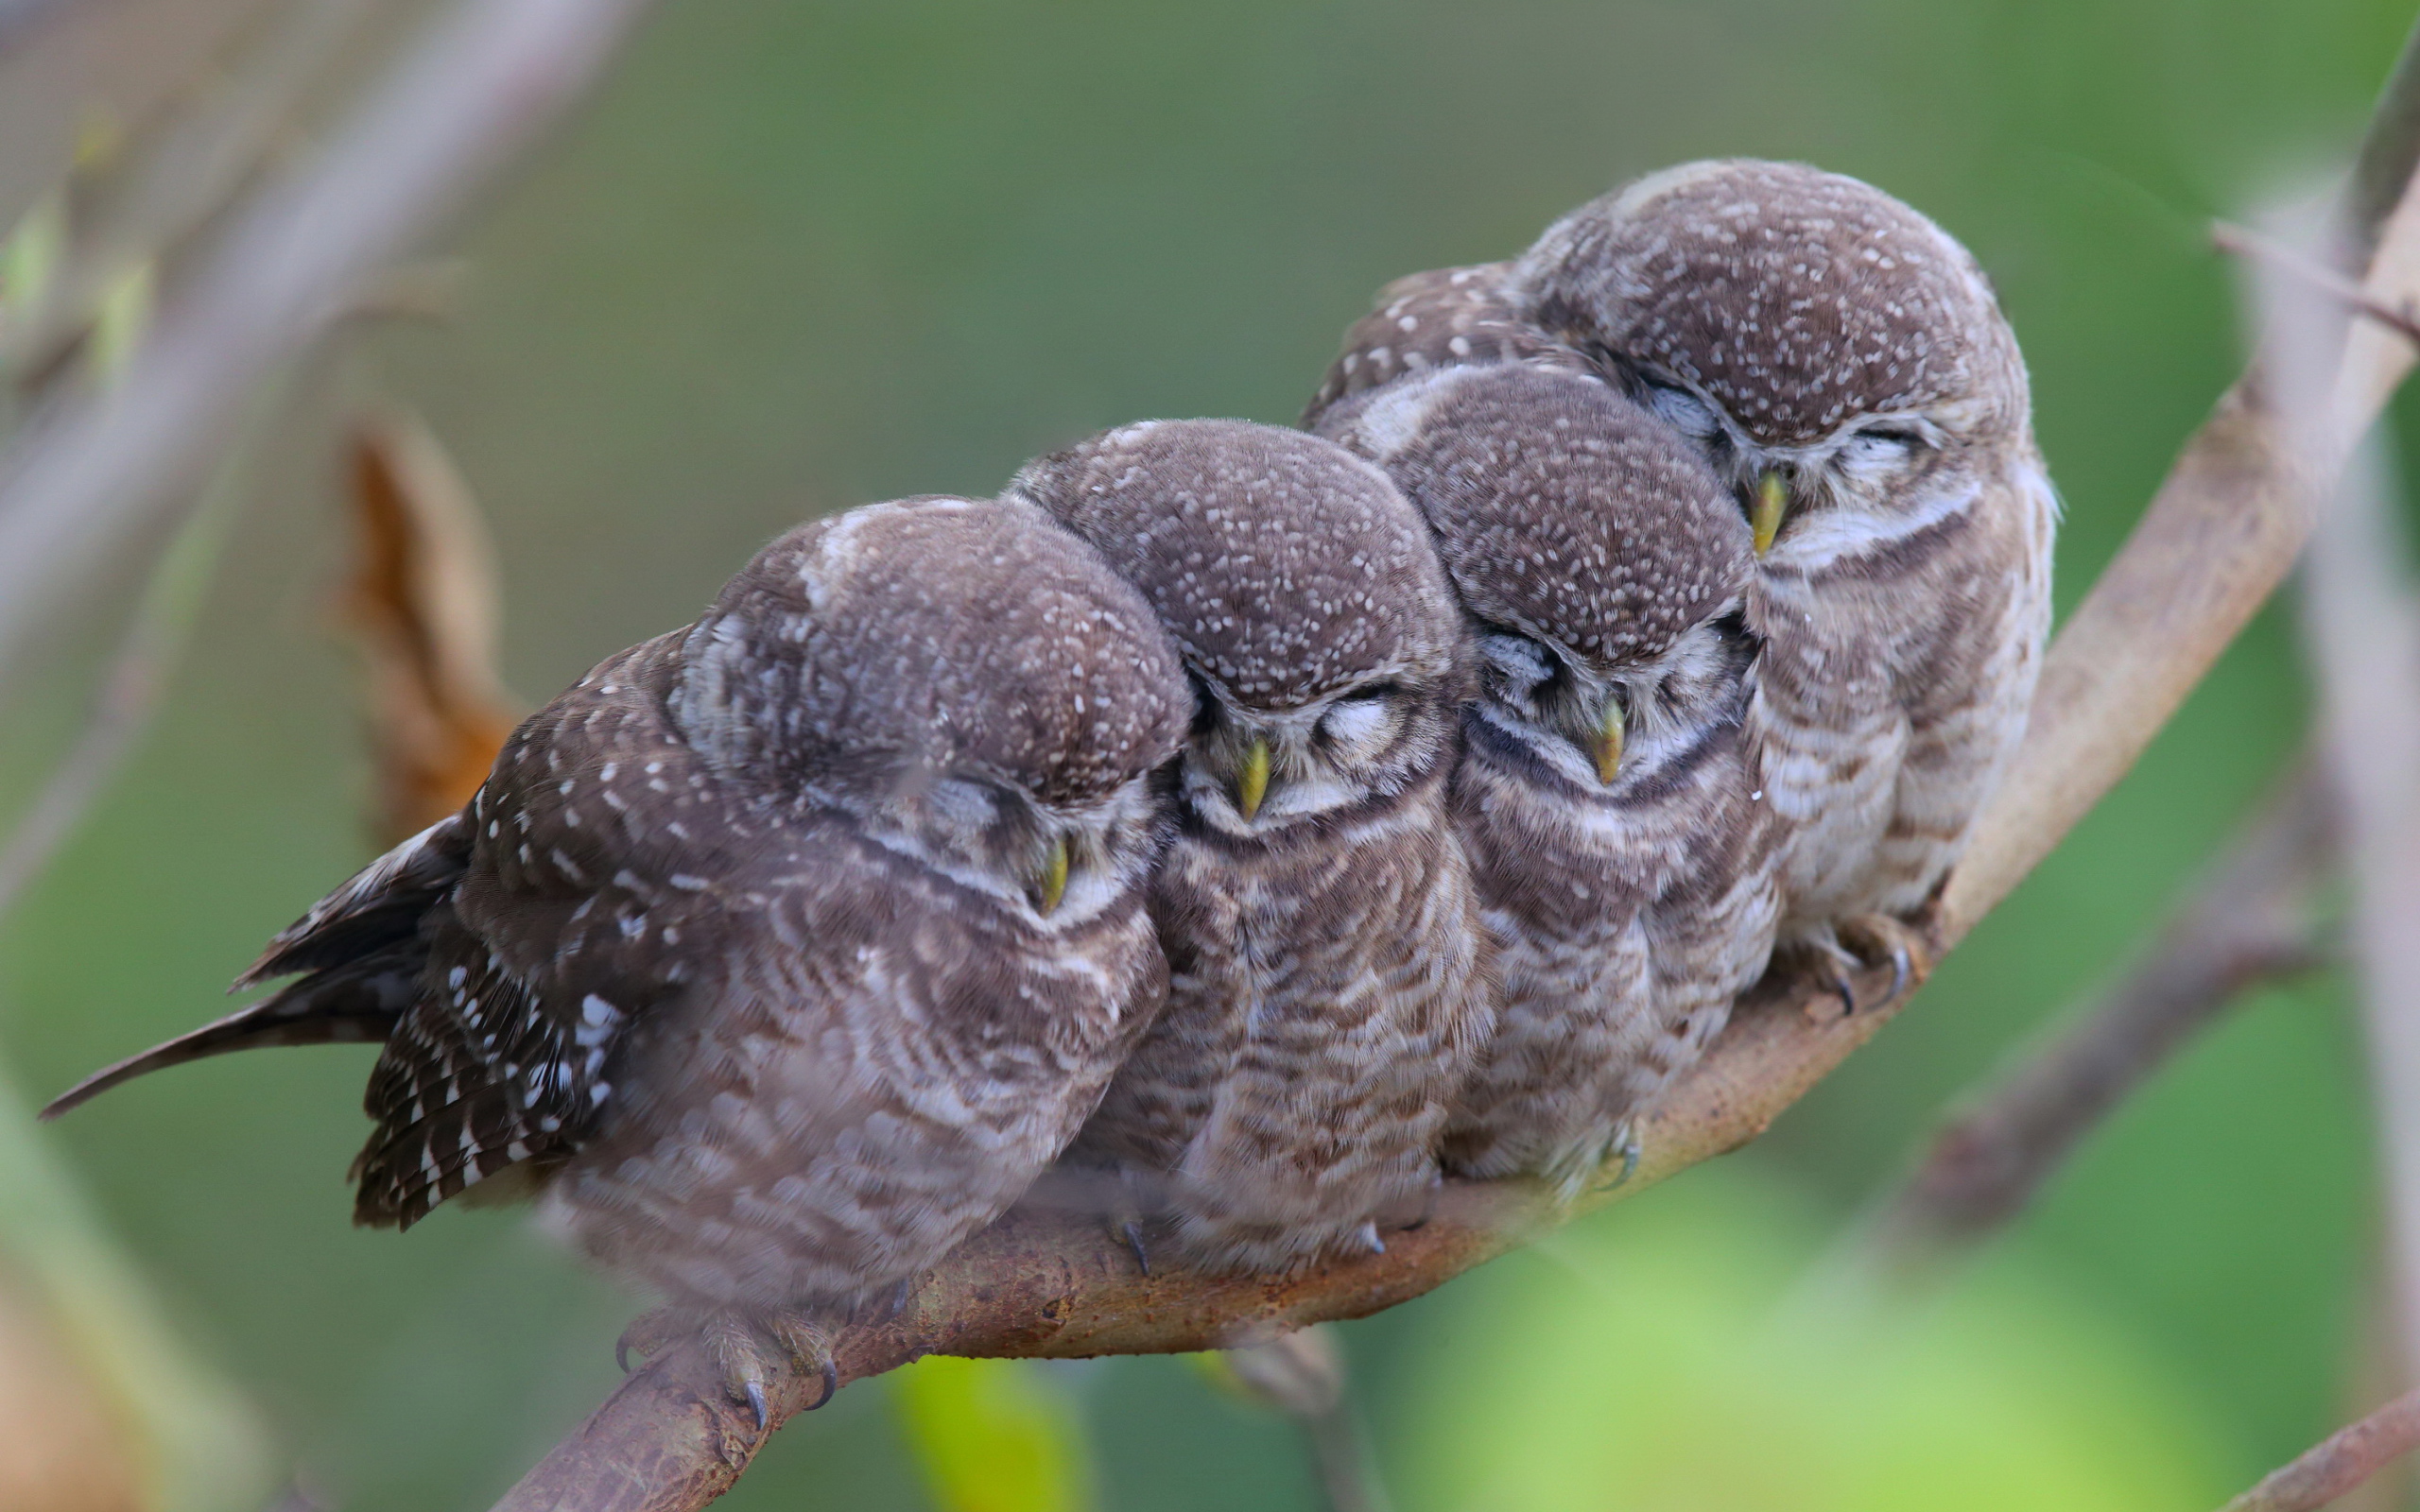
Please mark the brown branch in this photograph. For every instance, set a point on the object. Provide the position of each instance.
(2338, 1463)
(2250, 922)
(2215, 541)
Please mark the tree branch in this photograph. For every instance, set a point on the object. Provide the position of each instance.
(2338, 1463)
(2250, 922)
(2218, 537)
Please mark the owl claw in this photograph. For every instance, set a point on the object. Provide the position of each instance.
(1131, 1231)
(745, 1347)
(1625, 1143)
(1878, 939)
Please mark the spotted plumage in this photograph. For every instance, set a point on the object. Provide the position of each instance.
(1327, 976)
(783, 951)
(1625, 857)
(1841, 360)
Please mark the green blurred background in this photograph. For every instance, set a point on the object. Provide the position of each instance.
(800, 255)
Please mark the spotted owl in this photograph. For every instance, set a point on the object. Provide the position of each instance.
(1842, 363)
(783, 951)
(1626, 859)
(1329, 982)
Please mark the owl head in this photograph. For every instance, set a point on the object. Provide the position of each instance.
(1323, 643)
(968, 682)
(1838, 356)
(1596, 549)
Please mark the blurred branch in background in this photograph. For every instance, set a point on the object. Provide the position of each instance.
(2340, 1463)
(423, 601)
(2360, 616)
(469, 94)
(131, 686)
(162, 151)
(2252, 920)
(1303, 1375)
(2223, 531)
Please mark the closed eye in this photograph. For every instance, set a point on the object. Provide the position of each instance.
(1881, 449)
(1358, 722)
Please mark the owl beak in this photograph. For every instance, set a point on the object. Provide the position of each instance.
(1609, 742)
(1251, 784)
(1773, 499)
(1050, 879)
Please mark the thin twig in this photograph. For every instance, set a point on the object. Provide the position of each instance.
(2250, 922)
(473, 90)
(2215, 541)
(2239, 242)
(2338, 1462)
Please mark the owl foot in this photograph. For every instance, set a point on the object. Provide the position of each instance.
(1878, 939)
(1578, 1169)
(747, 1348)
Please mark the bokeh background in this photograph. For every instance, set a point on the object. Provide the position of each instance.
(796, 255)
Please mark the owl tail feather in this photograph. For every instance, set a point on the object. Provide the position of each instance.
(380, 905)
(355, 1002)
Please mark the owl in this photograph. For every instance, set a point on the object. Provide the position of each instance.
(1842, 363)
(1609, 802)
(783, 951)
(1446, 317)
(1328, 983)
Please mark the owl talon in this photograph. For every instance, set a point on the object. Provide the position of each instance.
(650, 1333)
(1876, 940)
(1131, 1231)
(1625, 1144)
(746, 1348)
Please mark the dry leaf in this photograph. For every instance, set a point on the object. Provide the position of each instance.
(423, 601)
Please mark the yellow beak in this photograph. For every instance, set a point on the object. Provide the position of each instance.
(1251, 784)
(1609, 742)
(1772, 498)
(1050, 881)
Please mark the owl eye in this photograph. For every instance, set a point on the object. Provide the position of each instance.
(1883, 446)
(1359, 718)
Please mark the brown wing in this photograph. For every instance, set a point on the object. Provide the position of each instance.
(592, 846)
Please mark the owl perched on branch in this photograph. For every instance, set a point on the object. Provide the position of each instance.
(783, 951)
(1610, 806)
(1842, 363)
(1328, 986)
